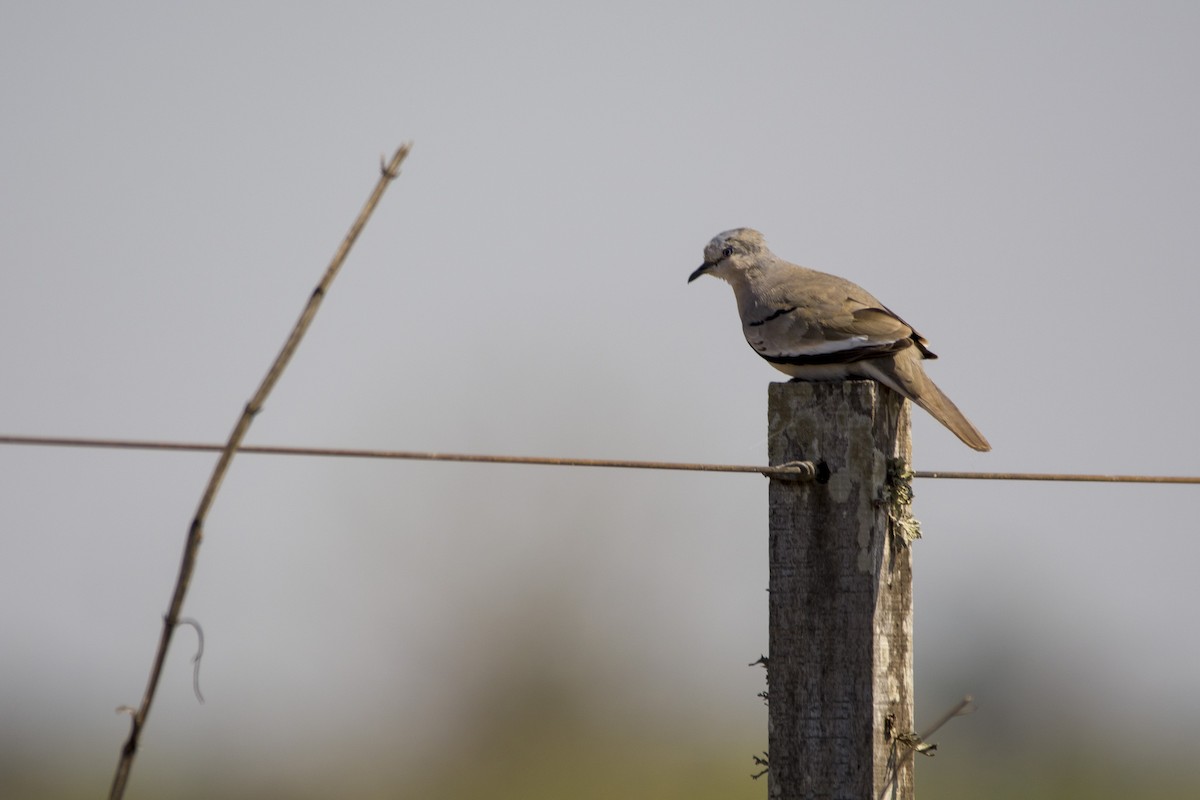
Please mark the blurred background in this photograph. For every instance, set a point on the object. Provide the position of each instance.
(1020, 181)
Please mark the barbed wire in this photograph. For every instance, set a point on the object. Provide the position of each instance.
(798, 470)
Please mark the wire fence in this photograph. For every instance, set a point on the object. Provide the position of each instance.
(795, 470)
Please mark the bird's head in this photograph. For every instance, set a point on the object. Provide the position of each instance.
(731, 253)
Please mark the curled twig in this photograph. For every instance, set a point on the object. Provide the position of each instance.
(199, 654)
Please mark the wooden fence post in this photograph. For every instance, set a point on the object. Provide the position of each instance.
(839, 676)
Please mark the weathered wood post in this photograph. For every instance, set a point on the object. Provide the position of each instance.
(839, 677)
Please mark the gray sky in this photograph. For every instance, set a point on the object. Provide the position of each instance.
(1020, 181)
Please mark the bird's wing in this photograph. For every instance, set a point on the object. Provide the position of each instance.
(825, 321)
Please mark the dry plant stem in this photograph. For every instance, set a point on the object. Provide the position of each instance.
(196, 531)
(963, 708)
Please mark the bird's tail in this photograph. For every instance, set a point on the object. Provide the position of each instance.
(903, 373)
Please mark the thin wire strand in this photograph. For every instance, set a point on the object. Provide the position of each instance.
(801, 470)
(795, 469)
(1048, 476)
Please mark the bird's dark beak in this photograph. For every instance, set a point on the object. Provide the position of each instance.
(705, 267)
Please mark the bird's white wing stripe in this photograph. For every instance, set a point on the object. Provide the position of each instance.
(817, 348)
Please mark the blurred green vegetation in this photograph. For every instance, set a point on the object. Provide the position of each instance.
(556, 762)
(528, 743)
(540, 711)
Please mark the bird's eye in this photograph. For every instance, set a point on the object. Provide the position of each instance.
(727, 252)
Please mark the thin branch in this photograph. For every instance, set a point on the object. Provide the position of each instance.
(196, 530)
(964, 707)
(917, 742)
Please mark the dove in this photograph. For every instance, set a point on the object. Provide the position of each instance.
(816, 326)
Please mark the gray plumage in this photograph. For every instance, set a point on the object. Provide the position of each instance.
(816, 326)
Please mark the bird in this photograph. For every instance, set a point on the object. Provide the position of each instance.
(819, 327)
